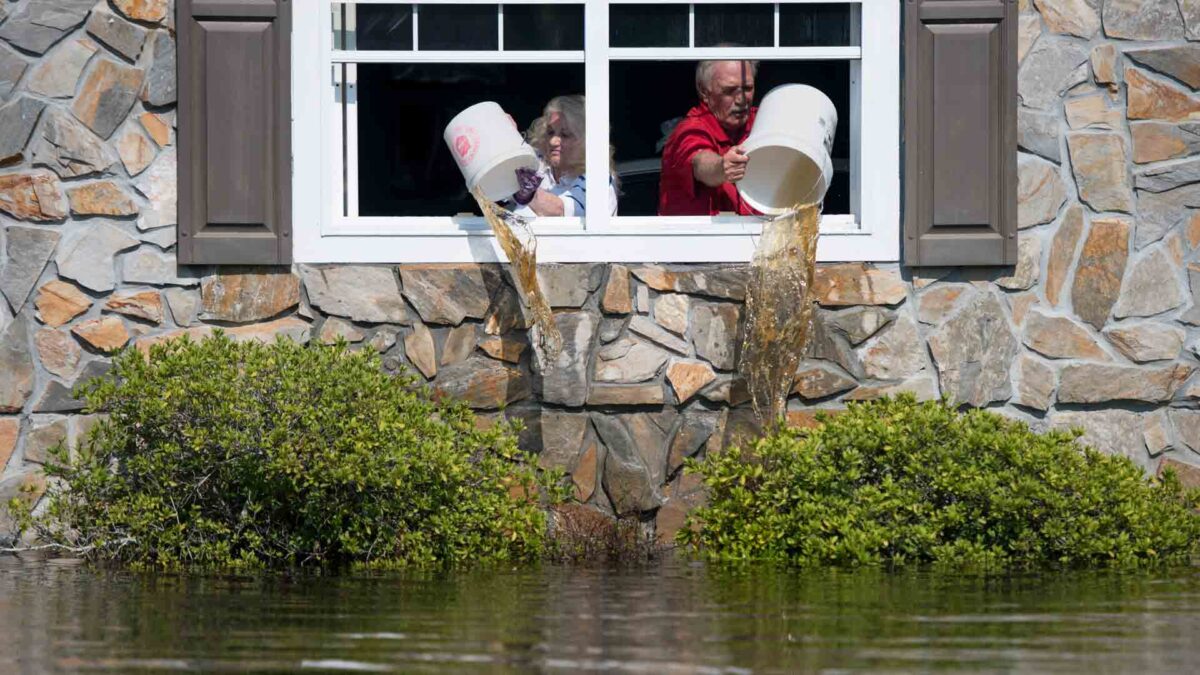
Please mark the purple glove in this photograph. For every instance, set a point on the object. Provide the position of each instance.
(528, 181)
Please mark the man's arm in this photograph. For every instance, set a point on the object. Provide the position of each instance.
(713, 170)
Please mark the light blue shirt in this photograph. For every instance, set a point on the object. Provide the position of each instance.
(572, 190)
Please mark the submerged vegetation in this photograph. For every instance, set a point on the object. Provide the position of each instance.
(219, 454)
(896, 482)
(580, 534)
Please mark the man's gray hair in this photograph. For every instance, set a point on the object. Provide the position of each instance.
(704, 71)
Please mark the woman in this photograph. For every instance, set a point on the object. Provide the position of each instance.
(558, 187)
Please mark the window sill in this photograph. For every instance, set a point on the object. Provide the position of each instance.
(470, 225)
(465, 240)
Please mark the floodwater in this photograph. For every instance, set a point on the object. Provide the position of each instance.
(57, 616)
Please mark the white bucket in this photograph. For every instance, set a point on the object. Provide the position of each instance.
(488, 149)
(789, 149)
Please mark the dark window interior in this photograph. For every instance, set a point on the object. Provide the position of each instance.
(454, 27)
(543, 27)
(382, 26)
(404, 166)
(746, 25)
(468, 27)
(640, 121)
(406, 170)
(800, 25)
(648, 25)
(815, 25)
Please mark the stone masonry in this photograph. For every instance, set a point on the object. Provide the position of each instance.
(1097, 326)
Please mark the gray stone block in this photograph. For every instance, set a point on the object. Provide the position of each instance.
(122, 36)
(88, 256)
(565, 379)
(12, 67)
(16, 362)
(160, 89)
(69, 149)
(28, 249)
(17, 120)
(38, 24)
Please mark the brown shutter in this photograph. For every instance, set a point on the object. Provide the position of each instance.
(960, 139)
(235, 182)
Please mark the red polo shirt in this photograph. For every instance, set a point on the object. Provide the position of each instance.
(679, 193)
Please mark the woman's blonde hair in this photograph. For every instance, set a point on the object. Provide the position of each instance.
(572, 109)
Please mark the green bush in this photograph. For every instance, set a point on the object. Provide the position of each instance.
(897, 482)
(219, 454)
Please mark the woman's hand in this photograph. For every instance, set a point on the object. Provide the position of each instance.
(528, 181)
(547, 205)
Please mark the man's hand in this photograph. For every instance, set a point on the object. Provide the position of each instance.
(713, 170)
(733, 164)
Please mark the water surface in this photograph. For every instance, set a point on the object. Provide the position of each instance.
(56, 616)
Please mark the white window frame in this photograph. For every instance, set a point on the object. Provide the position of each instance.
(323, 236)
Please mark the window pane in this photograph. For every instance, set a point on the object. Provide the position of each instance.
(641, 124)
(377, 26)
(543, 27)
(648, 25)
(746, 25)
(454, 27)
(404, 167)
(816, 25)
(337, 23)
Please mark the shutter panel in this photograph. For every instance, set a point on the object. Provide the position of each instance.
(960, 132)
(235, 183)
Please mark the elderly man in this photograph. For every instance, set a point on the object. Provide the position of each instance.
(703, 157)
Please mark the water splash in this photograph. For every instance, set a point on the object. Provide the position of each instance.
(779, 309)
(517, 240)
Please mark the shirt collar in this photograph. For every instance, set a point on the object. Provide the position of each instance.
(701, 111)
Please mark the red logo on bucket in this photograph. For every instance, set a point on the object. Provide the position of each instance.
(466, 144)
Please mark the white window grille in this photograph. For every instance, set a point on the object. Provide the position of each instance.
(329, 227)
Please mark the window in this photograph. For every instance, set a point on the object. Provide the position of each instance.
(374, 181)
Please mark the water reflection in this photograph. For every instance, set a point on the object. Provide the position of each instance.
(59, 617)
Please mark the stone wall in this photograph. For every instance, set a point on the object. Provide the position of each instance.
(1098, 325)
